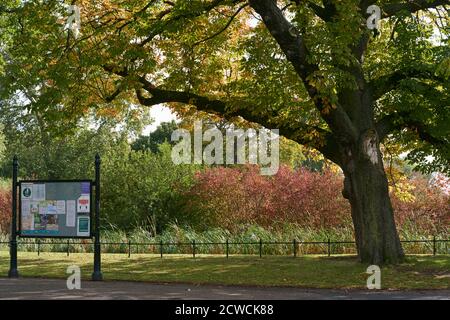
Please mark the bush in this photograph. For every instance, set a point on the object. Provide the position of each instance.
(5, 209)
(228, 197)
(426, 210)
(232, 197)
(142, 189)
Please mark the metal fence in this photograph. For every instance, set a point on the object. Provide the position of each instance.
(293, 248)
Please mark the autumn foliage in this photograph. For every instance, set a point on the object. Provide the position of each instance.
(5, 210)
(230, 197)
(426, 210)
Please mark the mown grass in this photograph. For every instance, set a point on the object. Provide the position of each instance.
(418, 272)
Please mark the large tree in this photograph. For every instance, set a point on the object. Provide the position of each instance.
(310, 68)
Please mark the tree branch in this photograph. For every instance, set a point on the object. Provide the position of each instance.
(136, 15)
(289, 39)
(389, 82)
(326, 13)
(300, 132)
(391, 9)
(402, 120)
(222, 29)
(4, 9)
(293, 46)
(160, 27)
(389, 123)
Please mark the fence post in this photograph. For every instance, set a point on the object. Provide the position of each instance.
(227, 248)
(434, 245)
(68, 247)
(260, 248)
(295, 247)
(329, 247)
(97, 274)
(13, 272)
(129, 248)
(161, 248)
(193, 249)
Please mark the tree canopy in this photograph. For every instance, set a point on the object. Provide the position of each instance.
(220, 57)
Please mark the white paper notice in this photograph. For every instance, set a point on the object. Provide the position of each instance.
(27, 219)
(61, 207)
(43, 209)
(25, 208)
(71, 213)
(38, 192)
(34, 207)
(84, 204)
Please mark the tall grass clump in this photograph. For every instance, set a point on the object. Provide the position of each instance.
(245, 240)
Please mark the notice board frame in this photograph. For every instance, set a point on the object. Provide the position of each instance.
(91, 222)
(13, 272)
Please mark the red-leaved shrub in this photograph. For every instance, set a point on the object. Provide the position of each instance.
(5, 210)
(428, 211)
(230, 197)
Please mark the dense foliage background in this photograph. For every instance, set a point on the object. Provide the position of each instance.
(143, 190)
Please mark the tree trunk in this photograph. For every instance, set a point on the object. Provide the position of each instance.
(366, 187)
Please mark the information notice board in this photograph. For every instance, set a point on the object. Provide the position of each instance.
(55, 209)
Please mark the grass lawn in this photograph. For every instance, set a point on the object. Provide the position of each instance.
(418, 272)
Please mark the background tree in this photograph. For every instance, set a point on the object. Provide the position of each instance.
(2, 144)
(310, 68)
(151, 142)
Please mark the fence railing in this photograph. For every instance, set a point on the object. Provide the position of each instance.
(293, 248)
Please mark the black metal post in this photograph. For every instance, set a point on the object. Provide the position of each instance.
(129, 248)
(13, 272)
(39, 246)
(227, 248)
(97, 274)
(295, 248)
(434, 245)
(260, 248)
(161, 248)
(68, 247)
(329, 247)
(193, 249)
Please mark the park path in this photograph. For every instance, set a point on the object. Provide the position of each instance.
(30, 288)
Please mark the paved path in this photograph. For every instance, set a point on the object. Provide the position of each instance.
(27, 288)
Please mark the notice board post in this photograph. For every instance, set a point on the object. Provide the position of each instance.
(97, 274)
(61, 209)
(13, 272)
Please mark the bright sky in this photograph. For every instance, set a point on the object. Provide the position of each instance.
(160, 114)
